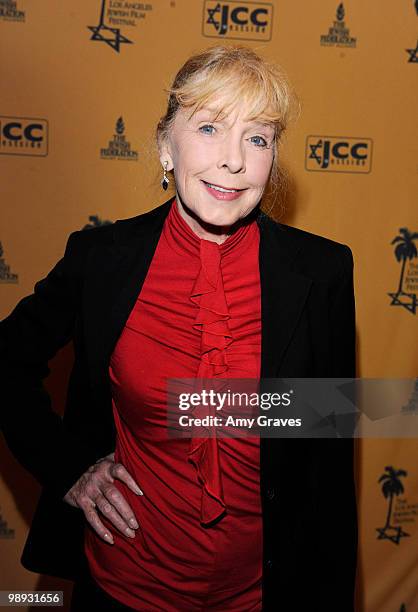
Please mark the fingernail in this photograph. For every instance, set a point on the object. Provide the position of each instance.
(109, 538)
(138, 490)
(130, 533)
(133, 523)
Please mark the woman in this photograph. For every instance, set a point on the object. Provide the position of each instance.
(205, 285)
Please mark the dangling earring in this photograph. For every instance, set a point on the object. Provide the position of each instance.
(165, 179)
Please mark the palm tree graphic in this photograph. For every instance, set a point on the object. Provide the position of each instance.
(405, 249)
(391, 486)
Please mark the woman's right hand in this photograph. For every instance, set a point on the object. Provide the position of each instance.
(94, 491)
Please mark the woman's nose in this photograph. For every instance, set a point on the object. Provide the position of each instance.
(232, 156)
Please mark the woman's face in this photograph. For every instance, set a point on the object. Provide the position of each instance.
(209, 157)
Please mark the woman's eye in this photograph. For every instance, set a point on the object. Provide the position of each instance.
(203, 129)
(259, 141)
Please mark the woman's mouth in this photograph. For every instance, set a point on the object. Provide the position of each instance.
(222, 193)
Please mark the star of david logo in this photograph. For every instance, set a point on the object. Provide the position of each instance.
(413, 55)
(111, 36)
(394, 534)
(314, 154)
(211, 16)
(407, 300)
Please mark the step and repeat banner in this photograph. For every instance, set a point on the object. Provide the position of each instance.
(82, 86)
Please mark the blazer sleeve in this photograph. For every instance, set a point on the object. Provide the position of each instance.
(39, 325)
(342, 318)
(337, 521)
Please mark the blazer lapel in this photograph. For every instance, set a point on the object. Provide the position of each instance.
(283, 292)
(115, 274)
(114, 277)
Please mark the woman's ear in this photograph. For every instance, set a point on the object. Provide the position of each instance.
(165, 153)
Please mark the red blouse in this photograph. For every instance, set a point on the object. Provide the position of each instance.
(198, 314)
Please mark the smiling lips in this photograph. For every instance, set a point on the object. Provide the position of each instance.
(222, 193)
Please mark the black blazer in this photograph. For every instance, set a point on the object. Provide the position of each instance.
(308, 330)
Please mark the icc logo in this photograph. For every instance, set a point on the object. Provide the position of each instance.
(246, 21)
(23, 136)
(338, 154)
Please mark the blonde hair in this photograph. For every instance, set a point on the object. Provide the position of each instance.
(243, 77)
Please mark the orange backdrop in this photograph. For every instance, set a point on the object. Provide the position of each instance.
(82, 88)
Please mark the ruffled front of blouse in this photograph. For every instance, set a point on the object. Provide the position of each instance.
(212, 321)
